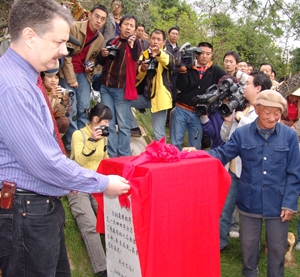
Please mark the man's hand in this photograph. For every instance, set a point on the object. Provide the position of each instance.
(104, 52)
(155, 50)
(131, 41)
(228, 119)
(74, 85)
(286, 215)
(144, 66)
(238, 115)
(117, 185)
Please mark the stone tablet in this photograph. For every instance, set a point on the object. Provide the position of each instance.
(121, 251)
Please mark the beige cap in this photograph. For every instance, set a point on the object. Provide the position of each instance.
(296, 92)
(271, 98)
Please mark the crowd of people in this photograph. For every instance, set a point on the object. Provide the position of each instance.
(143, 71)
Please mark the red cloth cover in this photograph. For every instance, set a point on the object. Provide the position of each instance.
(175, 208)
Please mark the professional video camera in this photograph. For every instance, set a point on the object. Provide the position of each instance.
(236, 101)
(113, 51)
(213, 98)
(188, 54)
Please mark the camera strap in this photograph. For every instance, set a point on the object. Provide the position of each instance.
(90, 41)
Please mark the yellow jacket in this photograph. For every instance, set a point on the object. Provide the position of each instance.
(161, 86)
(86, 153)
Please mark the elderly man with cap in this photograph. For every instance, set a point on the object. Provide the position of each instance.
(269, 184)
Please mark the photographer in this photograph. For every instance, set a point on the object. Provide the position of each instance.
(61, 102)
(88, 150)
(78, 69)
(119, 60)
(154, 83)
(257, 82)
(192, 81)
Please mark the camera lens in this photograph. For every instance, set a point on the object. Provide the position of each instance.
(186, 61)
(112, 54)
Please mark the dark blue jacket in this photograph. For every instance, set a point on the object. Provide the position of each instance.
(270, 179)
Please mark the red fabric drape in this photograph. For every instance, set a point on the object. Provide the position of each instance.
(175, 208)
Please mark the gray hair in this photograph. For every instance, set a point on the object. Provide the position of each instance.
(35, 14)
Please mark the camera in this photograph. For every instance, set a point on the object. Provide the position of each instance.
(242, 76)
(188, 54)
(67, 92)
(113, 51)
(213, 98)
(151, 71)
(89, 64)
(236, 101)
(104, 130)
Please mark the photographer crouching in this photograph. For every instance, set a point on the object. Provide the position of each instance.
(196, 74)
(154, 83)
(61, 99)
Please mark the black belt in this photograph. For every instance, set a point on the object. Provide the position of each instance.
(24, 191)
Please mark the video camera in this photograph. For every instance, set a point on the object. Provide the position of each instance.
(188, 54)
(211, 101)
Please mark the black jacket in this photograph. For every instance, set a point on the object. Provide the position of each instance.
(190, 85)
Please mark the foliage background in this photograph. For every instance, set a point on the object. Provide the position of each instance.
(259, 30)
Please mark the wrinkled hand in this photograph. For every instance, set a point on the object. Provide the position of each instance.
(286, 215)
(117, 185)
(189, 149)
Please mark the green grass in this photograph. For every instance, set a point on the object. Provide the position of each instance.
(231, 257)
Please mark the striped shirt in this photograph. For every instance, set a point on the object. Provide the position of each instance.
(29, 153)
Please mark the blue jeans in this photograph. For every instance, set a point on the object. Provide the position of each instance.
(158, 118)
(182, 120)
(118, 144)
(226, 216)
(32, 238)
(81, 104)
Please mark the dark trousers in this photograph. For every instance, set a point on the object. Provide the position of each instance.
(277, 233)
(32, 238)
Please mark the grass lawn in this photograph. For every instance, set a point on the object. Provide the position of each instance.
(231, 258)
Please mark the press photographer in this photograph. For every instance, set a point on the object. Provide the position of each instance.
(193, 79)
(154, 83)
(188, 55)
(119, 59)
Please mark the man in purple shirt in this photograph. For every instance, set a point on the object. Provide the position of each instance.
(31, 233)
